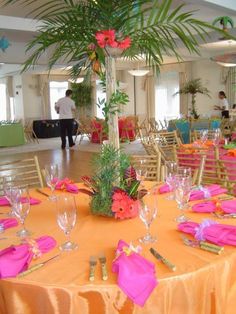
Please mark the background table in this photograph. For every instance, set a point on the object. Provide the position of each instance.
(185, 127)
(203, 283)
(11, 135)
(49, 128)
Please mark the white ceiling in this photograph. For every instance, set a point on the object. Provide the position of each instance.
(20, 30)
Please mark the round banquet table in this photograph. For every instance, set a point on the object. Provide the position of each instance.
(203, 282)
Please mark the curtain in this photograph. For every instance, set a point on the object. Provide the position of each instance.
(44, 93)
(230, 85)
(7, 81)
(149, 87)
(183, 98)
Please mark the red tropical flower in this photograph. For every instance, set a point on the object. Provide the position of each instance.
(123, 206)
(106, 38)
(124, 44)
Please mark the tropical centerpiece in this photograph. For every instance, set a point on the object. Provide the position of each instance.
(107, 199)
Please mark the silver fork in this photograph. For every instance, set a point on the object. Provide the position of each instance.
(92, 263)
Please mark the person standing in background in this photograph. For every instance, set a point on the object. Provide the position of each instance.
(66, 107)
(223, 105)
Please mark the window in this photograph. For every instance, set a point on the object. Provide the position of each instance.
(57, 91)
(167, 106)
(3, 102)
(100, 95)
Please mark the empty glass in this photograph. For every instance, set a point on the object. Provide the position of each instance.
(171, 171)
(141, 171)
(203, 136)
(21, 210)
(216, 137)
(182, 193)
(147, 213)
(10, 192)
(66, 219)
(184, 171)
(51, 177)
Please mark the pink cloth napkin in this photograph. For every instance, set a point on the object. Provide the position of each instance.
(8, 222)
(210, 231)
(164, 189)
(5, 202)
(204, 207)
(16, 258)
(229, 206)
(67, 185)
(208, 191)
(136, 275)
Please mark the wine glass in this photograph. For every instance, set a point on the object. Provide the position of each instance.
(66, 219)
(141, 171)
(21, 210)
(203, 136)
(182, 194)
(51, 177)
(147, 213)
(184, 171)
(216, 137)
(10, 192)
(171, 170)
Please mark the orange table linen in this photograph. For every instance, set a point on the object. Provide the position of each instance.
(203, 282)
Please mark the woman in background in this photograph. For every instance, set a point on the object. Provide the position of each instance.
(223, 105)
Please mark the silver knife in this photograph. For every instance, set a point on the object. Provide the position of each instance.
(163, 259)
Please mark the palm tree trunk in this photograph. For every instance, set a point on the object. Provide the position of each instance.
(110, 89)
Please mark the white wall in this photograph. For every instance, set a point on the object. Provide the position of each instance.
(210, 73)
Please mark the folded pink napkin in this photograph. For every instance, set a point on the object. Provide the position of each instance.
(210, 231)
(164, 189)
(204, 207)
(16, 258)
(8, 222)
(136, 275)
(207, 191)
(228, 206)
(5, 202)
(68, 185)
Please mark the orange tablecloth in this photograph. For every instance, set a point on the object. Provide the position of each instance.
(203, 282)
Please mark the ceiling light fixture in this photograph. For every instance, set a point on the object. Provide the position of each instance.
(138, 72)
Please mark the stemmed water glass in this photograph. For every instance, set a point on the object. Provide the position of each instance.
(66, 219)
(216, 137)
(203, 136)
(182, 193)
(147, 213)
(171, 170)
(51, 177)
(10, 192)
(141, 171)
(21, 210)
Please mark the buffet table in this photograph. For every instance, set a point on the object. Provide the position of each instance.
(203, 283)
(11, 134)
(49, 128)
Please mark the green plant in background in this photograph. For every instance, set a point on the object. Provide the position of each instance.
(194, 87)
(224, 21)
(82, 94)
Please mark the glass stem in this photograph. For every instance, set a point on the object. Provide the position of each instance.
(68, 237)
(147, 230)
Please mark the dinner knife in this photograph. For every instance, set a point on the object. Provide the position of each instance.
(41, 192)
(163, 259)
(36, 266)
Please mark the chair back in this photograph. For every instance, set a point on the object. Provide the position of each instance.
(26, 172)
(152, 165)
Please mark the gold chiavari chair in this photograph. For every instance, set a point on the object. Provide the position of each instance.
(148, 144)
(195, 161)
(84, 129)
(226, 127)
(30, 135)
(25, 172)
(196, 135)
(142, 129)
(152, 166)
(153, 125)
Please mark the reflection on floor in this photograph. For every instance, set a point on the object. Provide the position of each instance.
(73, 163)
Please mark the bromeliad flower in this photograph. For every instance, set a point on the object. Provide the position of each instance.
(106, 38)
